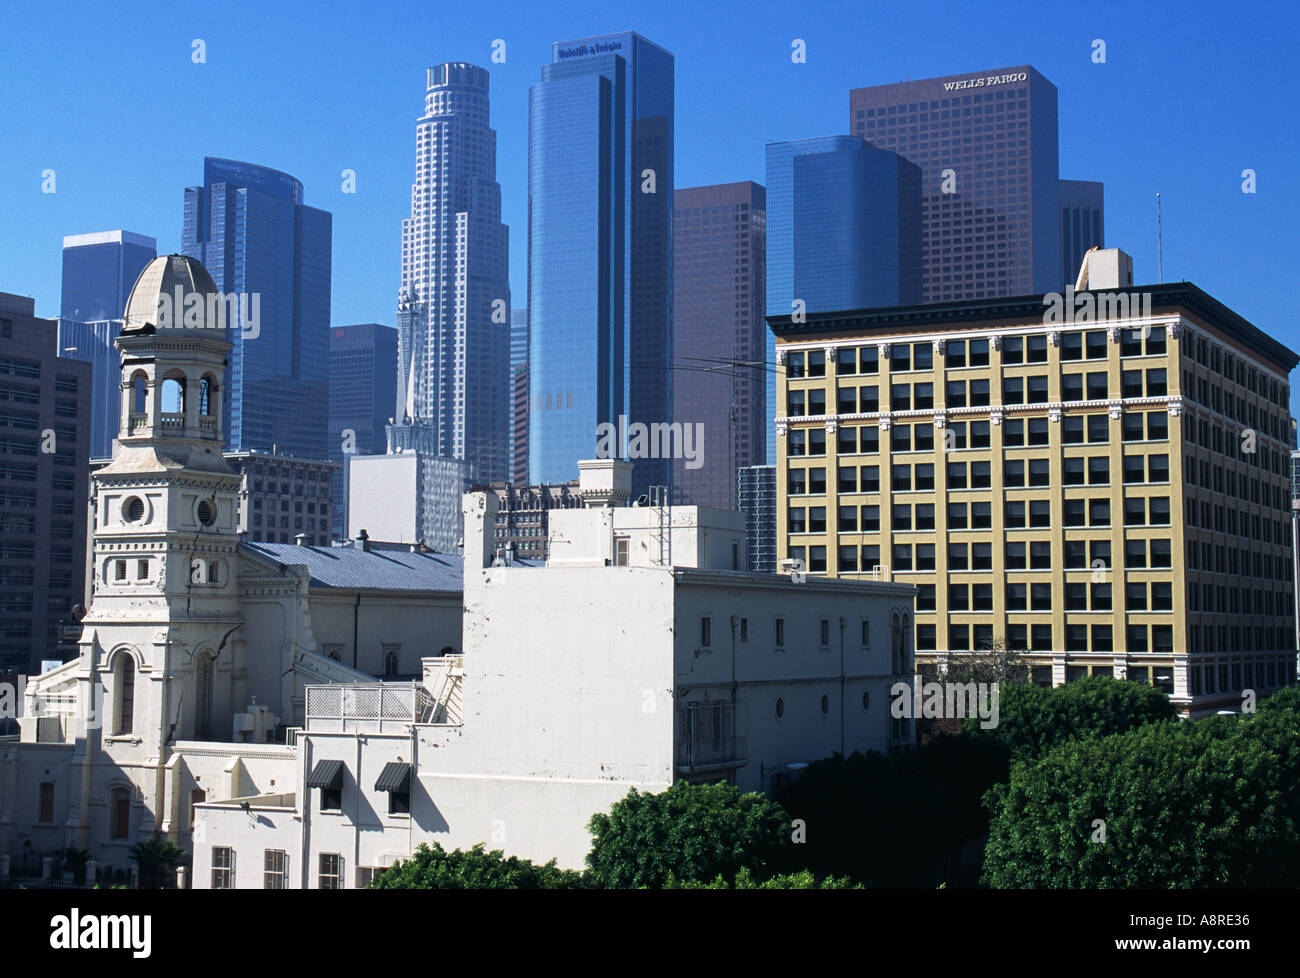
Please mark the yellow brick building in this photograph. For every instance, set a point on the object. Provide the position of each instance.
(1105, 496)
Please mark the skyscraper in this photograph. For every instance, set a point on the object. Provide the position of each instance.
(1083, 224)
(600, 198)
(987, 147)
(249, 226)
(98, 272)
(843, 232)
(453, 314)
(719, 337)
(44, 484)
(519, 395)
(363, 390)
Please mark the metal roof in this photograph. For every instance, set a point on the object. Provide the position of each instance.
(376, 569)
(396, 776)
(326, 774)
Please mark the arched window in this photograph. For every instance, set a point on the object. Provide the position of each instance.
(390, 662)
(173, 395)
(203, 696)
(139, 394)
(124, 684)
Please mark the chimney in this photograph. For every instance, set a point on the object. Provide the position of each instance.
(363, 541)
(1105, 269)
(300, 539)
(480, 513)
(604, 481)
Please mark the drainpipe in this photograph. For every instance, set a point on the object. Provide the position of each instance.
(356, 613)
(842, 623)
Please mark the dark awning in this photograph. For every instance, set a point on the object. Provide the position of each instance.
(395, 776)
(326, 774)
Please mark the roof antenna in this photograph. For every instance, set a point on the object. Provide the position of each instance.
(1160, 242)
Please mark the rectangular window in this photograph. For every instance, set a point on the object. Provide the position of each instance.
(223, 868)
(780, 626)
(275, 870)
(824, 633)
(706, 632)
(46, 802)
(331, 871)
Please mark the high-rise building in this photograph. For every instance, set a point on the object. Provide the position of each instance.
(249, 227)
(98, 272)
(600, 198)
(756, 498)
(283, 498)
(44, 485)
(843, 232)
(719, 338)
(519, 396)
(523, 517)
(986, 144)
(363, 391)
(1108, 496)
(454, 306)
(1083, 224)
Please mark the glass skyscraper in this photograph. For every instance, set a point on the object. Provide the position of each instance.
(987, 147)
(453, 319)
(719, 336)
(98, 272)
(363, 390)
(248, 225)
(600, 201)
(843, 232)
(1083, 224)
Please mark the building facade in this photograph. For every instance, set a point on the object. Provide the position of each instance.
(363, 392)
(454, 305)
(406, 496)
(249, 227)
(98, 272)
(756, 498)
(519, 396)
(843, 232)
(600, 202)
(523, 517)
(719, 337)
(986, 144)
(1083, 224)
(722, 675)
(283, 497)
(1107, 496)
(45, 407)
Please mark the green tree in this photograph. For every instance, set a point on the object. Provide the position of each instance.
(689, 832)
(157, 859)
(74, 862)
(433, 868)
(1034, 719)
(1209, 803)
(744, 880)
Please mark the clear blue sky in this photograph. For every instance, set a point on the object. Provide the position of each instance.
(106, 95)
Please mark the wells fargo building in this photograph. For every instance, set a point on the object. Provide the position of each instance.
(1105, 497)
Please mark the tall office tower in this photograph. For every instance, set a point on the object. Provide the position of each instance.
(283, 498)
(44, 485)
(600, 199)
(1083, 224)
(249, 227)
(987, 148)
(843, 232)
(1108, 496)
(756, 497)
(719, 337)
(453, 385)
(98, 272)
(519, 396)
(363, 390)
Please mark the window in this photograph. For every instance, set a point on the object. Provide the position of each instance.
(331, 871)
(275, 870)
(780, 632)
(223, 868)
(866, 633)
(124, 681)
(706, 632)
(824, 634)
(744, 629)
(621, 545)
(46, 808)
(390, 661)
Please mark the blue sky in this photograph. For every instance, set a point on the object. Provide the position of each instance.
(107, 96)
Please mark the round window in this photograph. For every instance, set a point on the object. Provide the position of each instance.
(866, 701)
(780, 708)
(133, 509)
(207, 513)
(826, 704)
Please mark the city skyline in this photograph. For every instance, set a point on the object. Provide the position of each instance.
(770, 98)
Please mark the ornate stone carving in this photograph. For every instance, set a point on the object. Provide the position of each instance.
(940, 421)
(1054, 414)
(1115, 412)
(831, 425)
(995, 417)
(780, 357)
(884, 349)
(940, 347)
(781, 427)
(1054, 337)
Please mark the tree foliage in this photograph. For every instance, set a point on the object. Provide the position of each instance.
(157, 859)
(691, 833)
(744, 880)
(1208, 803)
(434, 868)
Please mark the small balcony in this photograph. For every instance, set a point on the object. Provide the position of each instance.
(172, 421)
(707, 738)
(368, 707)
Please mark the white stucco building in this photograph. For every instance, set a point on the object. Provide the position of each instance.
(603, 671)
(197, 650)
